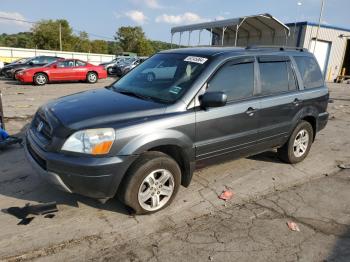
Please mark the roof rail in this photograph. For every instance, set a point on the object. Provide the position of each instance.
(280, 48)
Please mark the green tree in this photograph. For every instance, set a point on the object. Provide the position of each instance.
(46, 34)
(144, 48)
(82, 43)
(129, 37)
(99, 46)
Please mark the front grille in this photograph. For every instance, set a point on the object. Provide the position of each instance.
(45, 129)
(40, 161)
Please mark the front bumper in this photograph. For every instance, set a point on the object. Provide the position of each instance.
(23, 78)
(89, 176)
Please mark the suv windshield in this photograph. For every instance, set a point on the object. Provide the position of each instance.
(162, 78)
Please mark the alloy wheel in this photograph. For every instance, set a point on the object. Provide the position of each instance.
(156, 189)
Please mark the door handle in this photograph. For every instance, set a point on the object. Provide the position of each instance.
(251, 110)
(297, 102)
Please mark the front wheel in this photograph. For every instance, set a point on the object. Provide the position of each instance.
(40, 79)
(110, 70)
(91, 77)
(298, 144)
(152, 183)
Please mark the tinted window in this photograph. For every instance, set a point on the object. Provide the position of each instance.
(310, 71)
(66, 63)
(235, 80)
(80, 63)
(274, 77)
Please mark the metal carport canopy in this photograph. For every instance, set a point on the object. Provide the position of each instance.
(246, 24)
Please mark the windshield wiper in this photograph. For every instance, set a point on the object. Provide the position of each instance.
(130, 93)
(143, 97)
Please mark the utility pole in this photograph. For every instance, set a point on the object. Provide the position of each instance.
(319, 24)
(60, 36)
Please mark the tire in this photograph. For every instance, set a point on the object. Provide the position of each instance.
(40, 79)
(151, 167)
(91, 77)
(298, 145)
(150, 77)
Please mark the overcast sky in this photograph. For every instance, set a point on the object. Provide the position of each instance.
(103, 17)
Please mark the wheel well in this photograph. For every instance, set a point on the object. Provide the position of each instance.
(312, 121)
(92, 71)
(178, 155)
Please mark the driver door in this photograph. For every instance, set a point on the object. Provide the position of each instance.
(63, 71)
(233, 127)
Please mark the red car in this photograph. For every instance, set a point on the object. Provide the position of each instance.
(62, 70)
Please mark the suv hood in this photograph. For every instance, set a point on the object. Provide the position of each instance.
(101, 107)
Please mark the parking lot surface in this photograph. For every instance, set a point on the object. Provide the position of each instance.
(198, 225)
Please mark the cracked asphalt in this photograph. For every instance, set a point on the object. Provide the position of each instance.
(197, 226)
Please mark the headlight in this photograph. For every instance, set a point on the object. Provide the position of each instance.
(91, 141)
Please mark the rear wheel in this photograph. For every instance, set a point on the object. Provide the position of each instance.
(298, 144)
(152, 183)
(40, 79)
(91, 77)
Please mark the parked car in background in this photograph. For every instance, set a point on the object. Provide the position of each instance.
(10, 71)
(18, 61)
(109, 65)
(125, 67)
(62, 70)
(141, 139)
(1, 65)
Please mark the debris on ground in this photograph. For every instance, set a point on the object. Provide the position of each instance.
(293, 226)
(39, 209)
(344, 166)
(226, 195)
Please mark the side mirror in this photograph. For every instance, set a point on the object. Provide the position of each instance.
(31, 63)
(213, 99)
(54, 66)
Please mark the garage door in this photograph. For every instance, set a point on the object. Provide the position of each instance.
(322, 52)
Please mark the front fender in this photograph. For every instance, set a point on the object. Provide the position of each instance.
(143, 143)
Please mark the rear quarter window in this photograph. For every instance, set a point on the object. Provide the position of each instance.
(310, 71)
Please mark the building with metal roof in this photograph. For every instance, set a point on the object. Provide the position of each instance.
(332, 48)
(241, 31)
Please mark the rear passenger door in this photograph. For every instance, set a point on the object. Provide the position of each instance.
(279, 97)
(234, 126)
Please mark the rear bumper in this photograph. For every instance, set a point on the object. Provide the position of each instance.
(89, 176)
(322, 121)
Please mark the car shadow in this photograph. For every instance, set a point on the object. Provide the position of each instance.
(341, 249)
(268, 156)
(18, 180)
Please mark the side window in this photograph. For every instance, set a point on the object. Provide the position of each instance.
(310, 71)
(66, 63)
(274, 77)
(79, 63)
(235, 80)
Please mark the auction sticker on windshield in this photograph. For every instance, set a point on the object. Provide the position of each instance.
(196, 59)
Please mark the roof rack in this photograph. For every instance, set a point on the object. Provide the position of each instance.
(280, 48)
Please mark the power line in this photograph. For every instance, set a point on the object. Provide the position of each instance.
(18, 20)
(79, 31)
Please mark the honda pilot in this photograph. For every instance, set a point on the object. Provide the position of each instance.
(140, 137)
